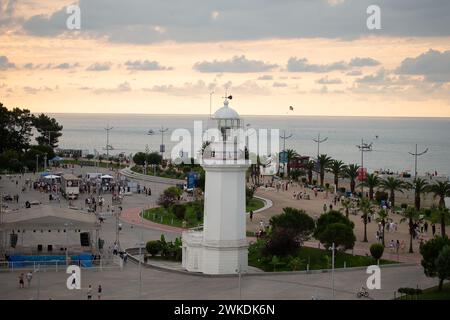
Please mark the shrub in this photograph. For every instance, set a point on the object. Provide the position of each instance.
(404, 206)
(153, 247)
(376, 250)
(169, 197)
(280, 243)
(179, 211)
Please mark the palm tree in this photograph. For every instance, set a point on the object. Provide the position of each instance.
(366, 208)
(290, 154)
(351, 172)
(410, 214)
(309, 166)
(393, 184)
(442, 215)
(441, 190)
(324, 162)
(371, 181)
(383, 216)
(337, 168)
(420, 186)
(347, 204)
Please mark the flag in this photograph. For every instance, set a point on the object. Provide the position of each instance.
(291, 108)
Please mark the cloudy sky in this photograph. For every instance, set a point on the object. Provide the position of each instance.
(161, 56)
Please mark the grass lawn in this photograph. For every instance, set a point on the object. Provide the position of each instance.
(434, 294)
(254, 204)
(164, 216)
(316, 258)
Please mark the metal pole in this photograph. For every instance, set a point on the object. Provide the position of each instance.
(416, 155)
(319, 141)
(39, 282)
(45, 161)
(332, 269)
(140, 254)
(108, 128)
(37, 163)
(362, 166)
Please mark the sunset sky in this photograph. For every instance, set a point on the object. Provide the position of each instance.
(161, 56)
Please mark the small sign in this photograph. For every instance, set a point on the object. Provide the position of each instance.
(283, 157)
(362, 173)
(162, 148)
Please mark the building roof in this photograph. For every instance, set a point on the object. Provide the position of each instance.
(226, 112)
(48, 217)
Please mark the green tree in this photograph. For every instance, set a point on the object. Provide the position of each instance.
(324, 162)
(443, 265)
(38, 150)
(295, 263)
(337, 168)
(365, 207)
(440, 189)
(351, 172)
(49, 130)
(442, 215)
(290, 154)
(371, 181)
(153, 247)
(430, 252)
(340, 234)
(410, 215)
(289, 230)
(139, 158)
(420, 186)
(393, 185)
(347, 204)
(329, 218)
(309, 167)
(154, 158)
(383, 216)
(376, 250)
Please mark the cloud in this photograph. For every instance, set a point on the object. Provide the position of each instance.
(99, 66)
(33, 90)
(279, 85)
(327, 80)
(187, 89)
(31, 66)
(265, 77)
(237, 64)
(149, 21)
(145, 65)
(354, 73)
(121, 88)
(302, 65)
(7, 12)
(5, 64)
(433, 65)
(379, 77)
(363, 62)
(64, 66)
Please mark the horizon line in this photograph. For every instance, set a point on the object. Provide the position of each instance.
(242, 115)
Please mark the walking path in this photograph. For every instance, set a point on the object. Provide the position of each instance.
(133, 216)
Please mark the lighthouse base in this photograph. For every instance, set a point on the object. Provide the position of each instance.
(213, 257)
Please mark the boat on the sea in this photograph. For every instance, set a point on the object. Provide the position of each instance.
(150, 132)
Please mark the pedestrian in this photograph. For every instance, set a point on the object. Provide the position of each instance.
(115, 249)
(89, 293)
(21, 285)
(29, 277)
(261, 224)
(426, 226)
(324, 207)
(99, 292)
(433, 229)
(397, 246)
(331, 207)
(251, 215)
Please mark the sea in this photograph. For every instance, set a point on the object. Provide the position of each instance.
(393, 139)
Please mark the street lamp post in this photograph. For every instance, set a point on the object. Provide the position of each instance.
(45, 161)
(417, 154)
(37, 163)
(332, 269)
(284, 137)
(319, 141)
(163, 147)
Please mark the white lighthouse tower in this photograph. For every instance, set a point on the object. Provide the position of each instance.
(221, 247)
